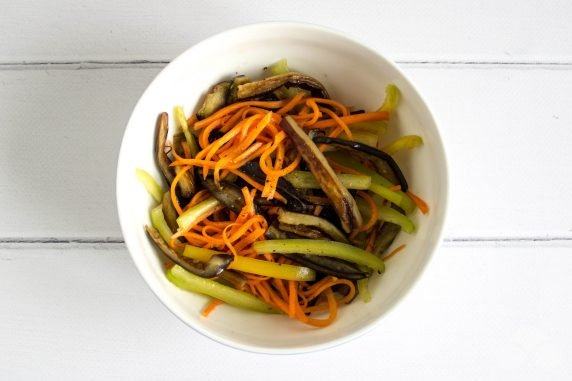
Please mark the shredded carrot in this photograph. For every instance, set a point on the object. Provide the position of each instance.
(371, 240)
(263, 291)
(250, 239)
(235, 106)
(174, 183)
(332, 134)
(393, 252)
(227, 240)
(211, 306)
(250, 181)
(292, 298)
(260, 111)
(209, 152)
(198, 197)
(291, 104)
(204, 134)
(250, 151)
(341, 124)
(232, 121)
(421, 204)
(192, 162)
(290, 168)
(279, 285)
(266, 166)
(333, 309)
(316, 114)
(250, 131)
(374, 211)
(305, 110)
(351, 119)
(395, 188)
(274, 297)
(330, 281)
(181, 232)
(344, 110)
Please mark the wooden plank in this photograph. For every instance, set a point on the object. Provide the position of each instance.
(507, 134)
(506, 130)
(410, 30)
(60, 140)
(477, 313)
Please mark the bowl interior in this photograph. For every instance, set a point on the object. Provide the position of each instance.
(352, 74)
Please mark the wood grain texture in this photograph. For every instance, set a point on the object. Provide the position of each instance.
(410, 30)
(59, 150)
(506, 129)
(477, 313)
(507, 135)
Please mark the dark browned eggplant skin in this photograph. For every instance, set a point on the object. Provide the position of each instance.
(233, 92)
(161, 131)
(342, 201)
(385, 237)
(215, 100)
(214, 267)
(302, 231)
(294, 199)
(360, 147)
(229, 194)
(187, 183)
(258, 88)
(169, 211)
(330, 266)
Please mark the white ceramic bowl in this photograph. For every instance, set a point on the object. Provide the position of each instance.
(353, 74)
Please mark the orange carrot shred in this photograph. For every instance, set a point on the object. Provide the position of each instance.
(344, 110)
(351, 119)
(294, 101)
(250, 131)
(211, 306)
(292, 298)
(393, 252)
(371, 240)
(316, 114)
(174, 183)
(374, 211)
(421, 204)
(344, 127)
(279, 285)
(235, 106)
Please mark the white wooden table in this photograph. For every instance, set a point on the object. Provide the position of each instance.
(495, 302)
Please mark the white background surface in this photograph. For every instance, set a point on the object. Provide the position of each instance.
(495, 302)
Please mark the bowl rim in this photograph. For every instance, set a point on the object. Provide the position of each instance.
(299, 349)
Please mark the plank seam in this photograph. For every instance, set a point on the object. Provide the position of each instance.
(509, 239)
(150, 64)
(114, 240)
(114, 243)
(50, 240)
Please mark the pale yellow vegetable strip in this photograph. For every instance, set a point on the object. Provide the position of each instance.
(182, 120)
(150, 184)
(392, 96)
(255, 266)
(404, 142)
